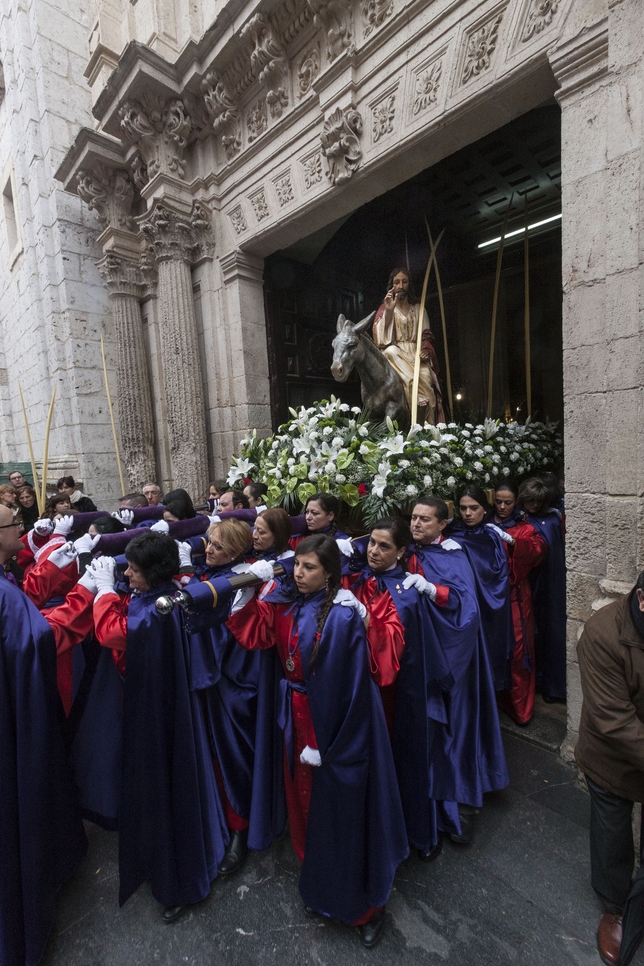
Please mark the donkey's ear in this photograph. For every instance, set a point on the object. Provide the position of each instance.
(364, 323)
(340, 323)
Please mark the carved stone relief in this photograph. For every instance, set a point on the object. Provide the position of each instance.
(312, 170)
(256, 121)
(284, 189)
(374, 13)
(109, 192)
(427, 86)
(481, 44)
(238, 220)
(340, 141)
(539, 17)
(223, 112)
(268, 62)
(334, 17)
(308, 69)
(161, 129)
(172, 234)
(383, 115)
(260, 205)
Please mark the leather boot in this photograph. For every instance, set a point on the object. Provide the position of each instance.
(235, 854)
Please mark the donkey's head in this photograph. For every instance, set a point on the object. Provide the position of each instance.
(348, 346)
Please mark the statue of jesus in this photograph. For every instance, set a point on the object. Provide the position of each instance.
(395, 329)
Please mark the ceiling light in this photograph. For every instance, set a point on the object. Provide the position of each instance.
(520, 231)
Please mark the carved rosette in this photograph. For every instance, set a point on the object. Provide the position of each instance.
(268, 62)
(284, 189)
(223, 112)
(260, 205)
(374, 13)
(174, 235)
(109, 192)
(383, 116)
(238, 220)
(539, 17)
(481, 44)
(340, 141)
(161, 129)
(427, 86)
(256, 121)
(334, 18)
(308, 69)
(312, 170)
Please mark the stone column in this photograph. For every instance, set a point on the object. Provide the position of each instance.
(124, 282)
(109, 192)
(599, 65)
(178, 240)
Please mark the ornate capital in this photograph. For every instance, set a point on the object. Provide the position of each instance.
(178, 236)
(334, 17)
(124, 276)
(109, 192)
(223, 111)
(268, 62)
(161, 129)
(340, 141)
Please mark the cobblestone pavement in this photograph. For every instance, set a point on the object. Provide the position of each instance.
(520, 895)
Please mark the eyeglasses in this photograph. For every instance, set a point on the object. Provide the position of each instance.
(20, 526)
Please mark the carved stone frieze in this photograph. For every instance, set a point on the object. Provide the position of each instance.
(312, 170)
(109, 192)
(427, 86)
(256, 120)
(383, 115)
(481, 44)
(223, 112)
(308, 69)
(374, 13)
(334, 17)
(260, 205)
(284, 189)
(539, 17)
(238, 220)
(268, 62)
(172, 234)
(340, 141)
(161, 129)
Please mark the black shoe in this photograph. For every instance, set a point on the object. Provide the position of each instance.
(172, 913)
(311, 913)
(235, 854)
(372, 931)
(433, 853)
(467, 828)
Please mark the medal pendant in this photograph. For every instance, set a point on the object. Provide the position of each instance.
(290, 664)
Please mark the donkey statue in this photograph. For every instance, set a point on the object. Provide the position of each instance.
(381, 387)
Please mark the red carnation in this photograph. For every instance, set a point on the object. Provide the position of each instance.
(247, 480)
(363, 489)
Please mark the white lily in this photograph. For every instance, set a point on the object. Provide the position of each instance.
(380, 480)
(394, 445)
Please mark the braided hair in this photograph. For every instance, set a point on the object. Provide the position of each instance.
(326, 550)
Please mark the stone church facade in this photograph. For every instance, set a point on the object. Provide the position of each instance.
(154, 153)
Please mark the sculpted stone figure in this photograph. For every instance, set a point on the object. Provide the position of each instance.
(395, 331)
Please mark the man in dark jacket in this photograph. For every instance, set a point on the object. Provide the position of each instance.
(610, 751)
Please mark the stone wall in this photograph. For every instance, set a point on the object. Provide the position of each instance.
(52, 302)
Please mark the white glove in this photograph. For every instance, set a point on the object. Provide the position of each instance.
(214, 519)
(44, 527)
(347, 599)
(185, 553)
(103, 569)
(505, 536)
(311, 756)
(86, 544)
(241, 599)
(88, 581)
(63, 556)
(262, 569)
(242, 568)
(422, 586)
(344, 546)
(64, 525)
(161, 526)
(125, 515)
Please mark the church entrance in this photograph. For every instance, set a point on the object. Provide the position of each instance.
(344, 269)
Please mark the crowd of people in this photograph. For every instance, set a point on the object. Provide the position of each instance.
(199, 674)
